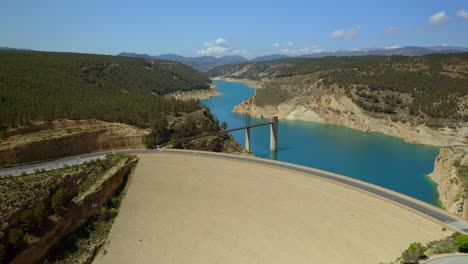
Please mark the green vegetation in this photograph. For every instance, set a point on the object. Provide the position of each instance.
(414, 253)
(159, 133)
(89, 238)
(28, 204)
(462, 243)
(3, 134)
(272, 96)
(16, 237)
(33, 217)
(223, 125)
(59, 200)
(451, 244)
(2, 253)
(443, 246)
(434, 94)
(180, 127)
(47, 86)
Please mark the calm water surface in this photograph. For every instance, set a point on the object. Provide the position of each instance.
(375, 158)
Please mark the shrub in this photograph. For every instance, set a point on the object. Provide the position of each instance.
(103, 213)
(27, 219)
(39, 214)
(16, 237)
(223, 125)
(414, 252)
(462, 243)
(59, 199)
(2, 253)
(3, 135)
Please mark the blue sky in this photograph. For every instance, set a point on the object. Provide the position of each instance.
(245, 27)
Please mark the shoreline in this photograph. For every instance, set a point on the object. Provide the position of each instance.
(428, 136)
(196, 94)
(253, 84)
(420, 134)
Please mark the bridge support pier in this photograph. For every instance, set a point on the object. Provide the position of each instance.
(274, 134)
(247, 138)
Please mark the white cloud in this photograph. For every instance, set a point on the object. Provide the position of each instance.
(220, 47)
(280, 46)
(345, 33)
(392, 47)
(438, 19)
(288, 49)
(462, 14)
(393, 30)
(217, 43)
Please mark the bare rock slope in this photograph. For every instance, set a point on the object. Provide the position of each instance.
(47, 140)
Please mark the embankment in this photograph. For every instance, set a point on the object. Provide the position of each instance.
(84, 207)
(252, 213)
(48, 140)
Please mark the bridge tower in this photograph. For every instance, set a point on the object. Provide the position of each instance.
(274, 134)
(247, 131)
(247, 138)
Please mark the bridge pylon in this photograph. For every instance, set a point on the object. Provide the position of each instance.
(247, 138)
(274, 134)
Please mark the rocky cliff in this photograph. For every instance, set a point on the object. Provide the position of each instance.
(308, 98)
(450, 174)
(47, 140)
(85, 206)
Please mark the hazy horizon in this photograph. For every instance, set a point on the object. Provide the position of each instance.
(220, 28)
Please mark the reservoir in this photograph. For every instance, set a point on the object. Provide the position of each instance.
(371, 157)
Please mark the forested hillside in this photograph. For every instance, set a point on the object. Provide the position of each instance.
(48, 85)
(429, 87)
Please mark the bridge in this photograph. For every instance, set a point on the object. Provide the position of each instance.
(273, 132)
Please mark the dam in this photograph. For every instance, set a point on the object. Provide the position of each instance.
(179, 208)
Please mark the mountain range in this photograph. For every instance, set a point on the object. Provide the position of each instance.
(204, 63)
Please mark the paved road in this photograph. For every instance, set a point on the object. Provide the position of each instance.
(449, 260)
(421, 207)
(51, 165)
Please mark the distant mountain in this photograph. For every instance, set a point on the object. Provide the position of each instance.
(203, 63)
(406, 51)
(8, 48)
(135, 55)
(269, 57)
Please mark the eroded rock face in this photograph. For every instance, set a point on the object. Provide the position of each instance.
(49, 140)
(309, 99)
(451, 185)
(86, 207)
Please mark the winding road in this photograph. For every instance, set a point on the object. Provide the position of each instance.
(424, 209)
(449, 260)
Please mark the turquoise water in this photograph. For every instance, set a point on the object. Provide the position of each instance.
(375, 158)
